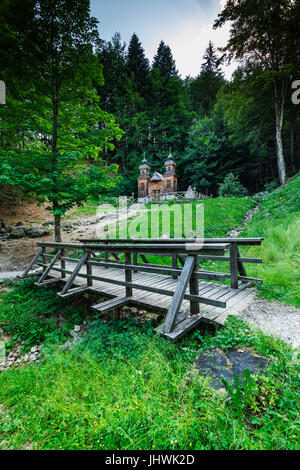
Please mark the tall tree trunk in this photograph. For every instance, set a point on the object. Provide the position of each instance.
(57, 230)
(280, 89)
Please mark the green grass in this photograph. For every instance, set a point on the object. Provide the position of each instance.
(125, 388)
(87, 210)
(177, 220)
(278, 221)
(34, 315)
(220, 216)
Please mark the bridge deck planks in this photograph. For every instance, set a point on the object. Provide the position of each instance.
(236, 299)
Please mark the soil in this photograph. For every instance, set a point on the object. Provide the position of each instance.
(16, 254)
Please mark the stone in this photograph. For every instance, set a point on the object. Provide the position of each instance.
(17, 233)
(77, 328)
(218, 364)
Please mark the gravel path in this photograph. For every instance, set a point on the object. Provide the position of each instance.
(282, 321)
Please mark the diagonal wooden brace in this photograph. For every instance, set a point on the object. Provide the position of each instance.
(40, 253)
(179, 294)
(71, 279)
(49, 267)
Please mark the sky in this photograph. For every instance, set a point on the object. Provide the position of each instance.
(185, 25)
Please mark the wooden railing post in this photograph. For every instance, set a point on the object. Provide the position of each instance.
(134, 257)
(174, 264)
(89, 271)
(128, 274)
(106, 254)
(234, 266)
(44, 258)
(194, 290)
(63, 264)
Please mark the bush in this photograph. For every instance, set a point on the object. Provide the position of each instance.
(231, 187)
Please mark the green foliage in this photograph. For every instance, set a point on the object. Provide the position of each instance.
(56, 133)
(278, 221)
(240, 393)
(125, 388)
(231, 187)
(32, 314)
(203, 89)
(236, 333)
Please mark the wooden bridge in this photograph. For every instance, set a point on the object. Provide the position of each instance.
(120, 271)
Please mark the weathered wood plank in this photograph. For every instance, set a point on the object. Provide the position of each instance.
(182, 328)
(111, 304)
(238, 241)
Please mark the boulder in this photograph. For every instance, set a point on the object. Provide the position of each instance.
(17, 232)
(218, 365)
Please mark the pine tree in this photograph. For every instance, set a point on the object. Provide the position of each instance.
(112, 57)
(205, 87)
(137, 64)
(165, 62)
(211, 62)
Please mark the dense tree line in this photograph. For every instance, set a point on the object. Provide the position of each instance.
(247, 125)
(79, 107)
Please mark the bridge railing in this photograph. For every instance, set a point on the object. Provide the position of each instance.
(126, 252)
(234, 258)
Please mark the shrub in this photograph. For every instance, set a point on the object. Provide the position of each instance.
(231, 187)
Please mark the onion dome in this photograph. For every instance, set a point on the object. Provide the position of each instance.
(144, 165)
(170, 160)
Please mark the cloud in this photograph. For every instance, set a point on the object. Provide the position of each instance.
(189, 41)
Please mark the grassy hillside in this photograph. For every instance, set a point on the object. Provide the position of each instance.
(278, 221)
(125, 388)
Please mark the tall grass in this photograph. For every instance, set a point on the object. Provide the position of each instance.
(124, 388)
(278, 221)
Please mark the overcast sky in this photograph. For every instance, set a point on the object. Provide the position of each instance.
(186, 25)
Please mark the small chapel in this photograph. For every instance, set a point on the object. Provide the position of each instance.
(158, 186)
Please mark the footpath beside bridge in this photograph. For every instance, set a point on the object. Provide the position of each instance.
(120, 271)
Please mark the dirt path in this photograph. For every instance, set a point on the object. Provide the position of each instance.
(272, 318)
(16, 254)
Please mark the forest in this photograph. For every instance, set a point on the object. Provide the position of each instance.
(81, 112)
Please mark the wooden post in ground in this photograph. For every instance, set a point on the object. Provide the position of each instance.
(194, 290)
(106, 254)
(89, 271)
(128, 274)
(135, 257)
(241, 266)
(174, 264)
(63, 264)
(44, 258)
(234, 266)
